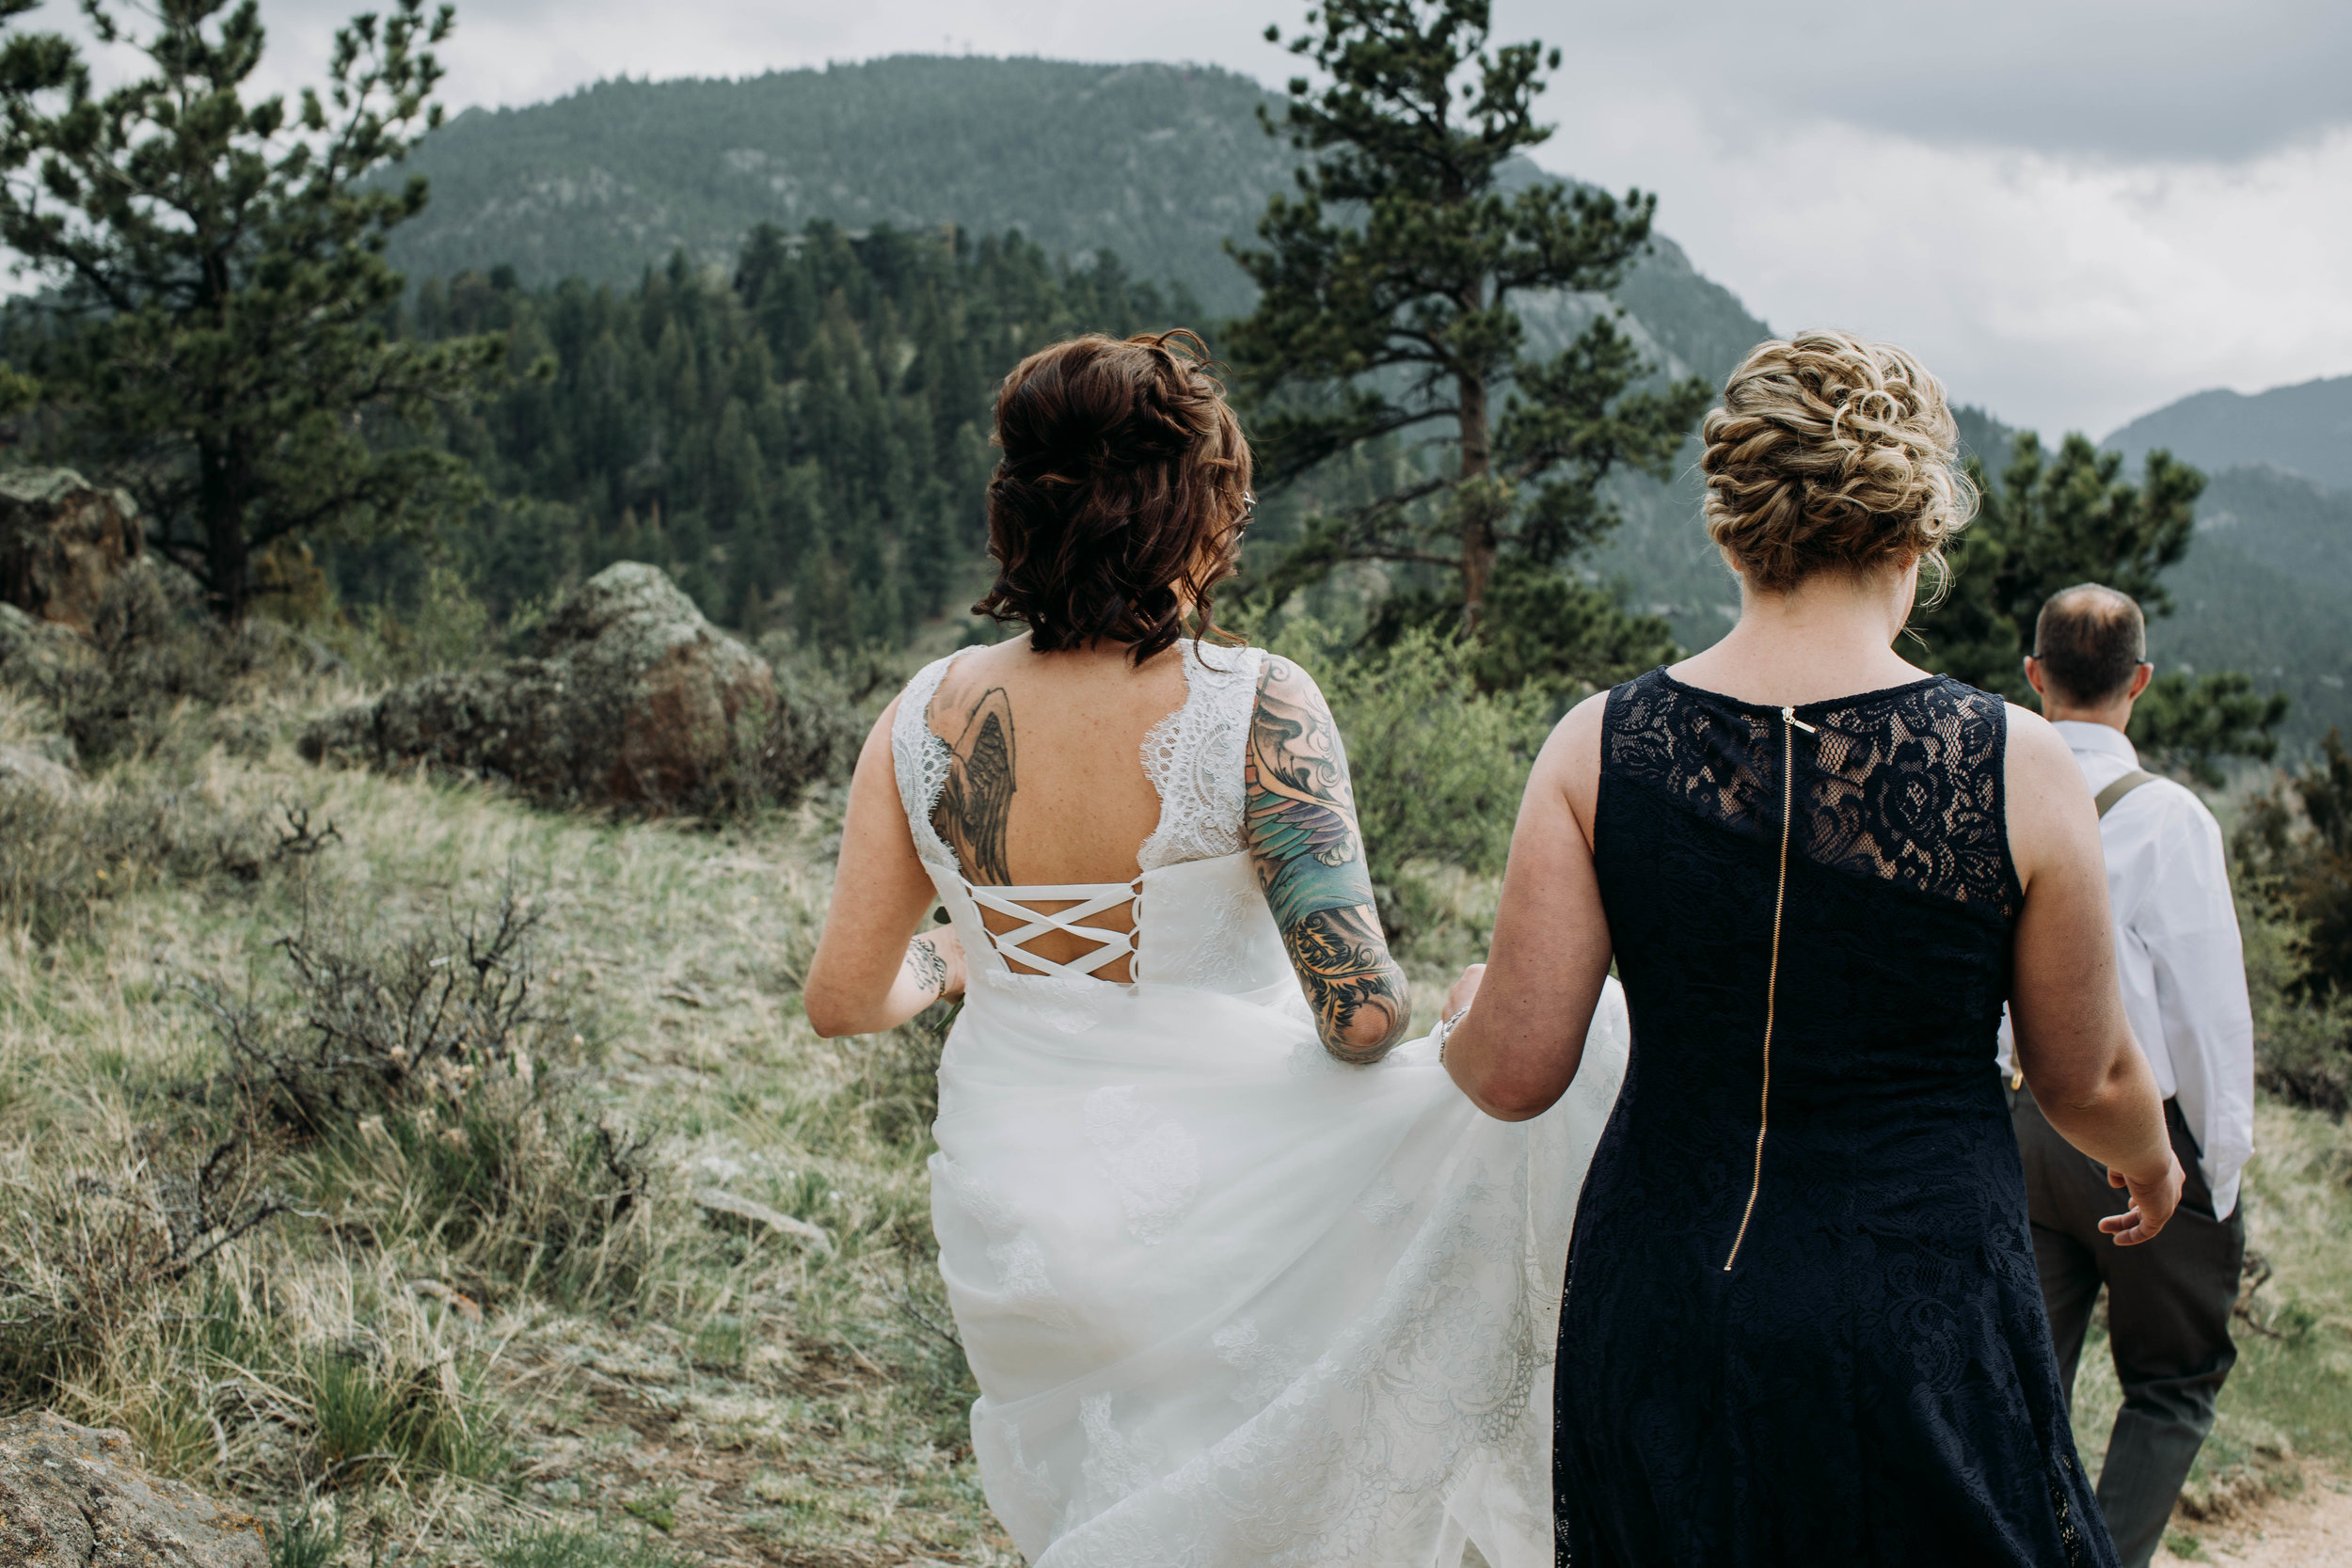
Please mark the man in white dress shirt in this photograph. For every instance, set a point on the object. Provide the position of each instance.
(2176, 942)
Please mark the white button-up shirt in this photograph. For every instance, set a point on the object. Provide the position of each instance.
(2177, 953)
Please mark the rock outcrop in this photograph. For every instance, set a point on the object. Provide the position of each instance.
(73, 1497)
(22, 768)
(63, 541)
(632, 698)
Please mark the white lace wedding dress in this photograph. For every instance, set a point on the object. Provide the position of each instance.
(1230, 1301)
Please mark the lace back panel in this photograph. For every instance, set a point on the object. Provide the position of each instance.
(1194, 757)
(1902, 786)
(1194, 760)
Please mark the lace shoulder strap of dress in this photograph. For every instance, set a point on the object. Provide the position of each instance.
(921, 761)
(1194, 757)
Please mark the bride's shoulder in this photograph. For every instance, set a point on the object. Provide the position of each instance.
(1284, 686)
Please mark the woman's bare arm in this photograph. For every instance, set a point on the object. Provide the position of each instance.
(1299, 815)
(1519, 1050)
(871, 972)
(2073, 1043)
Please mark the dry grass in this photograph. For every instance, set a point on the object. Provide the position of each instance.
(412, 1362)
(439, 1350)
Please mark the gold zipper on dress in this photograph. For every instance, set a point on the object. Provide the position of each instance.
(1791, 725)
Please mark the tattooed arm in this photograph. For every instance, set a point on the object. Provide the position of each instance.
(932, 969)
(1299, 815)
(871, 971)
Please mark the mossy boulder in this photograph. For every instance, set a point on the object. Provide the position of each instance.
(63, 541)
(630, 698)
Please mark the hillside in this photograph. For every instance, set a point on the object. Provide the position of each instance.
(1158, 164)
(640, 1274)
(2262, 590)
(2305, 429)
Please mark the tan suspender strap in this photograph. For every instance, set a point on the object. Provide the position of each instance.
(2121, 787)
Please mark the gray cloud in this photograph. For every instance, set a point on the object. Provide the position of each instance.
(2150, 79)
(2076, 209)
(2118, 79)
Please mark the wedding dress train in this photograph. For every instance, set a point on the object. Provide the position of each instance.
(1230, 1301)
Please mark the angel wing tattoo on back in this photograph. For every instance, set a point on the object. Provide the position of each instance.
(1300, 817)
(976, 802)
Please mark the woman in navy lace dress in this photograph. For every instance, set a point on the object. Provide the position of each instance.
(1801, 1323)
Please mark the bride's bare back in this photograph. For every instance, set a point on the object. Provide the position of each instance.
(1048, 783)
(1119, 505)
(1047, 786)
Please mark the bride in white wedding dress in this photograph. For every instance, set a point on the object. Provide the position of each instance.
(1243, 1280)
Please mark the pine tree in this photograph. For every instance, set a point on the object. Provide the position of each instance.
(217, 284)
(2053, 520)
(1386, 312)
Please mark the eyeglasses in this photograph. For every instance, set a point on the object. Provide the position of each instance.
(1249, 512)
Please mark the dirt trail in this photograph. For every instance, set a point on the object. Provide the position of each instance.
(2311, 1529)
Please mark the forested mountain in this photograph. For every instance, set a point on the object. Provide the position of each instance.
(677, 382)
(809, 430)
(2305, 429)
(2264, 590)
(2263, 586)
(1158, 164)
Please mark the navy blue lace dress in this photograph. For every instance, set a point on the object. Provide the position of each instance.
(1801, 1323)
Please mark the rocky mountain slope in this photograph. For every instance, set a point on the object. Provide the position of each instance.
(2304, 429)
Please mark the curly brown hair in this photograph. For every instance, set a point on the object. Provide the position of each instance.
(1118, 504)
(1832, 453)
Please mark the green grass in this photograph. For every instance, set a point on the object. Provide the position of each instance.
(2290, 1395)
(305, 1541)
(579, 1548)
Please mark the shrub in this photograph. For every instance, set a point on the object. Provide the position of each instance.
(826, 704)
(426, 1066)
(89, 1254)
(1438, 764)
(2302, 1043)
(374, 1021)
(156, 652)
(2294, 853)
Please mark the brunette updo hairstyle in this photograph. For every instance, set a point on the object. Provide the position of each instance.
(1832, 453)
(1119, 501)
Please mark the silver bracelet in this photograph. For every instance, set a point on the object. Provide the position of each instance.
(1445, 1032)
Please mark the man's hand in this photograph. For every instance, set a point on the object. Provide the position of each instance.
(2152, 1203)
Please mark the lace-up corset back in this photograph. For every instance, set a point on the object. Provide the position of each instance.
(1188, 915)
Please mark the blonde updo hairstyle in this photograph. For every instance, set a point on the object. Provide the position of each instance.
(1831, 453)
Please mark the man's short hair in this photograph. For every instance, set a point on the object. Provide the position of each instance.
(2090, 640)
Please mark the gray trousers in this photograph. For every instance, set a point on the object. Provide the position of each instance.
(2168, 1304)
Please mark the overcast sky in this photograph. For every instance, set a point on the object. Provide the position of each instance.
(2074, 209)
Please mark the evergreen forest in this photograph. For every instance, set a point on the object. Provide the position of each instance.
(808, 431)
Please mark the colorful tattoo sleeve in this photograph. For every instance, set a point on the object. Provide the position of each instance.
(1300, 817)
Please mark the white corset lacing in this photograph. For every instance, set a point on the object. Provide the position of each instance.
(1230, 1301)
